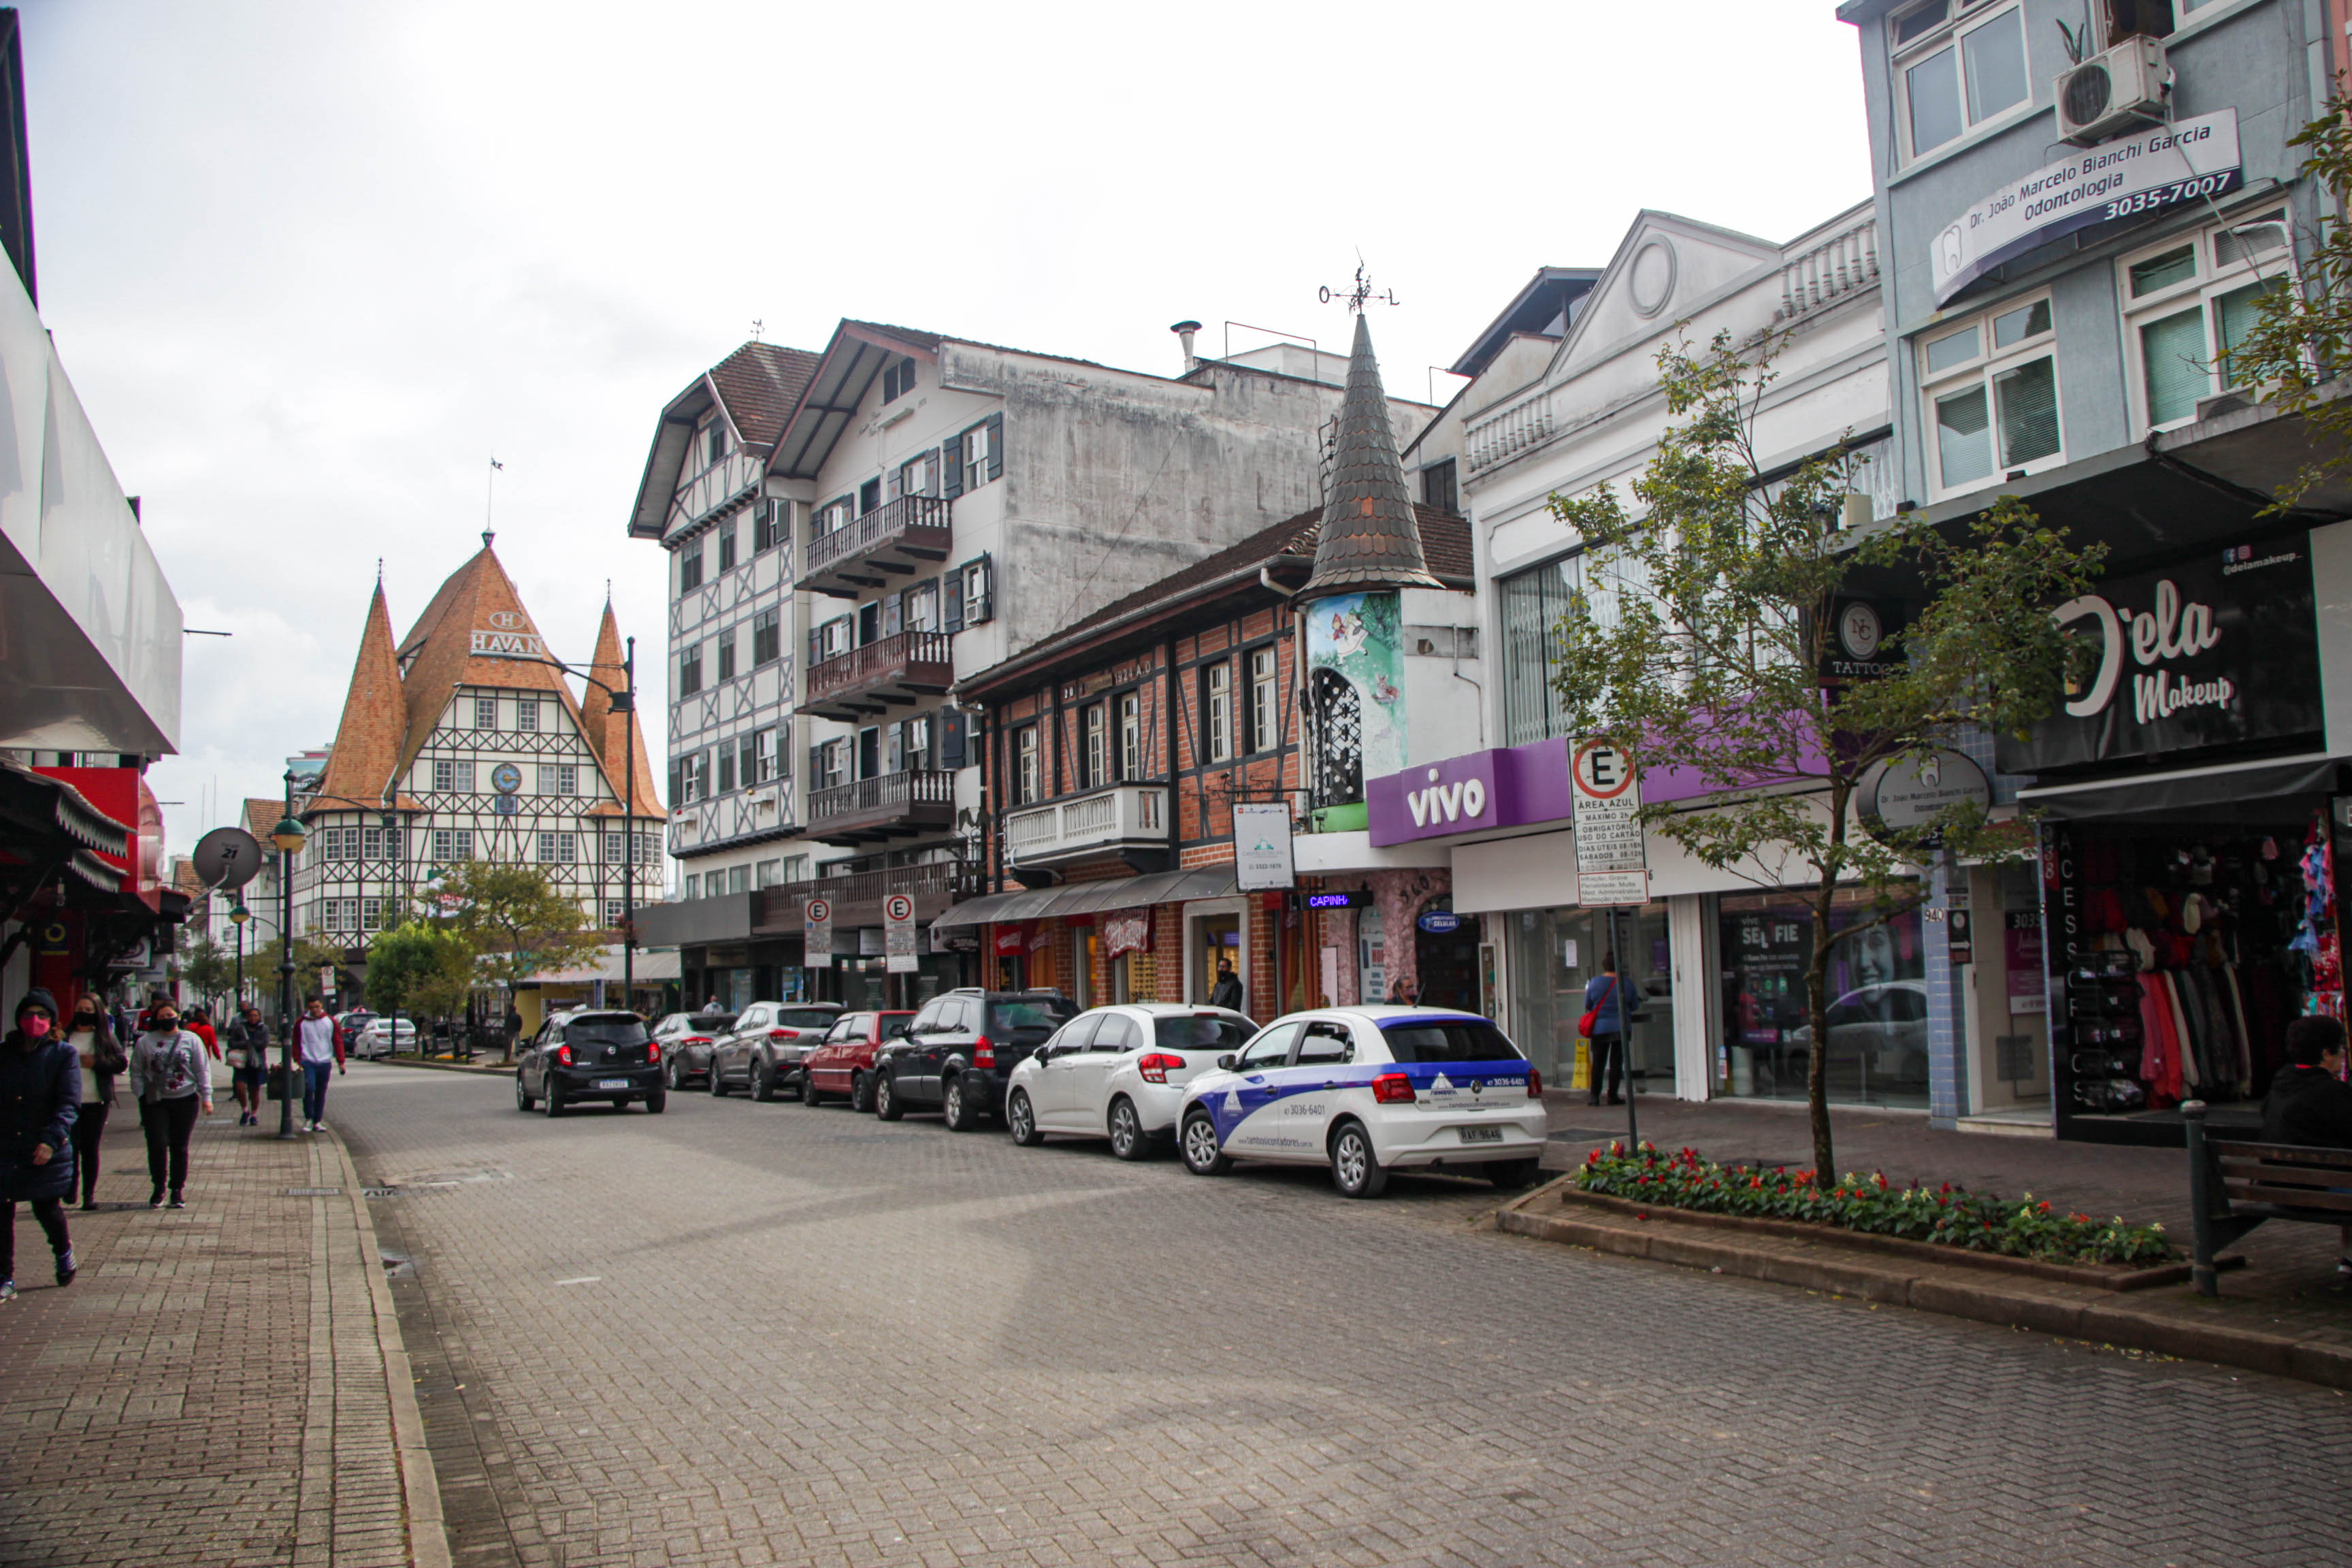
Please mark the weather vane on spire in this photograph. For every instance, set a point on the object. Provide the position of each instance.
(1361, 294)
(759, 327)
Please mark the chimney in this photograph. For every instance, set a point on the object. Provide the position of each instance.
(1185, 330)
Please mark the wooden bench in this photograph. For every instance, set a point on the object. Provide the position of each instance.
(2234, 1186)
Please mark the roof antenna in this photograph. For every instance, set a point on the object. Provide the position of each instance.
(759, 326)
(379, 571)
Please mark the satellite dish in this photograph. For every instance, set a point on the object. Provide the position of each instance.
(226, 858)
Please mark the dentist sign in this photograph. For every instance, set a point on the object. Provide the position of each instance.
(2219, 650)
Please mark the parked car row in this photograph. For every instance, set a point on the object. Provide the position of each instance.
(1362, 1090)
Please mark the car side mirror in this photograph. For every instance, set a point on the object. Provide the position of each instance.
(1225, 1062)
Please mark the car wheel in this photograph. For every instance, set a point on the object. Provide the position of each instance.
(886, 1098)
(1201, 1156)
(669, 1074)
(763, 1082)
(809, 1095)
(717, 1084)
(1355, 1169)
(657, 1101)
(960, 1112)
(861, 1092)
(1126, 1137)
(554, 1101)
(523, 1101)
(1021, 1121)
(1513, 1175)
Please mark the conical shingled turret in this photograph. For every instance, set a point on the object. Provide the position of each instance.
(1370, 538)
(367, 754)
(618, 743)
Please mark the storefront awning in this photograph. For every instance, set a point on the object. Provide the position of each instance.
(1088, 897)
(2212, 790)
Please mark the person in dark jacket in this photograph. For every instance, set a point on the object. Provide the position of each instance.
(40, 1091)
(1227, 992)
(2309, 1102)
(248, 1041)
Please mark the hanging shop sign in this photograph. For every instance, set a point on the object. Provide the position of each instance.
(1904, 794)
(2218, 651)
(1127, 930)
(1439, 923)
(1262, 848)
(817, 933)
(2114, 183)
(1012, 941)
(1860, 644)
(898, 934)
(1613, 862)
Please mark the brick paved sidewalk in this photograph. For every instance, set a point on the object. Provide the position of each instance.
(222, 1385)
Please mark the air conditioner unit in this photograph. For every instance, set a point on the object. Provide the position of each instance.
(2109, 94)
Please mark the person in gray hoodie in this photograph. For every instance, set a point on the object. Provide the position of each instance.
(172, 1079)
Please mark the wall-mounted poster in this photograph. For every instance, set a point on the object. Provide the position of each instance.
(1356, 680)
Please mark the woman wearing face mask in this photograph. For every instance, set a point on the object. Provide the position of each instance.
(171, 1079)
(100, 1058)
(39, 1090)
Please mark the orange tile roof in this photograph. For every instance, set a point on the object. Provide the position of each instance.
(376, 712)
(437, 656)
(609, 732)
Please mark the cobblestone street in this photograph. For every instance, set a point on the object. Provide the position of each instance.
(740, 1334)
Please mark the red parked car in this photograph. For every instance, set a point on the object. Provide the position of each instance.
(842, 1067)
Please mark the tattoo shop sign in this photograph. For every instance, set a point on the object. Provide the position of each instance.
(2114, 181)
(2215, 652)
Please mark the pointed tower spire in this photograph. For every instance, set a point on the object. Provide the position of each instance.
(1370, 538)
(609, 732)
(375, 715)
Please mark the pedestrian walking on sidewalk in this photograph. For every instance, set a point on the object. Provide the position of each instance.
(100, 1058)
(2309, 1101)
(1604, 1004)
(40, 1088)
(199, 1022)
(247, 1039)
(320, 1045)
(172, 1081)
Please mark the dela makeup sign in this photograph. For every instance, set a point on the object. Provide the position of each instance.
(2218, 651)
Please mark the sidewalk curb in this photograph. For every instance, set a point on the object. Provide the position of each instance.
(429, 1541)
(495, 1069)
(2053, 1308)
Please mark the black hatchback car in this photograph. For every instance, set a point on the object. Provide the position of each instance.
(959, 1050)
(581, 1057)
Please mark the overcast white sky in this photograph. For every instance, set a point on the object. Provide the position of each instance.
(310, 265)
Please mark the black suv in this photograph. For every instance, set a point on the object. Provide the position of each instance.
(959, 1050)
(586, 1056)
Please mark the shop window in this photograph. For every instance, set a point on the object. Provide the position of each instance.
(1958, 64)
(1990, 386)
(1877, 1046)
(2188, 304)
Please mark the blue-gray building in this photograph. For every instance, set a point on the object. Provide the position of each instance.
(2080, 207)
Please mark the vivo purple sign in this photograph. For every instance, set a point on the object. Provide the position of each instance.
(1500, 788)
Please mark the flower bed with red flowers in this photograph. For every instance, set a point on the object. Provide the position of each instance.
(1949, 1215)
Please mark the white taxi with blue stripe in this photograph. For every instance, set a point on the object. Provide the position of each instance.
(1368, 1090)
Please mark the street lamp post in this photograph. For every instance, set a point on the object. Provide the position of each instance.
(287, 836)
(236, 917)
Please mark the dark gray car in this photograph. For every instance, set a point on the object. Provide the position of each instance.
(581, 1057)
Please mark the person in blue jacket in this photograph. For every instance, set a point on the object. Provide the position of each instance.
(40, 1095)
(1604, 998)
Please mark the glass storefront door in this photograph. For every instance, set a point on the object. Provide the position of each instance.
(1877, 994)
(1555, 953)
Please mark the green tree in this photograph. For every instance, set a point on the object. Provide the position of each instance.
(205, 966)
(514, 918)
(311, 955)
(2300, 346)
(426, 968)
(1698, 640)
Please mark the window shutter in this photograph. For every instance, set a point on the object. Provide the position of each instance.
(952, 617)
(816, 766)
(951, 737)
(894, 749)
(894, 615)
(890, 485)
(951, 472)
(674, 796)
(996, 446)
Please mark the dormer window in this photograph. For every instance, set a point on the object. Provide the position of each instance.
(897, 380)
(715, 440)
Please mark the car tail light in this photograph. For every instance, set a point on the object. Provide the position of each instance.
(1534, 1084)
(984, 1052)
(652, 1050)
(1155, 1066)
(563, 1055)
(696, 1040)
(784, 1033)
(1392, 1089)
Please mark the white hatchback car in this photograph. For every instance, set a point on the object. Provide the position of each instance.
(1369, 1090)
(1119, 1073)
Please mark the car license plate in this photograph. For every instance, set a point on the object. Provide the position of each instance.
(1482, 1135)
(623, 1083)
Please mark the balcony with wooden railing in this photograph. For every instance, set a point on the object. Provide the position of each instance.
(888, 805)
(890, 672)
(1122, 820)
(892, 543)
